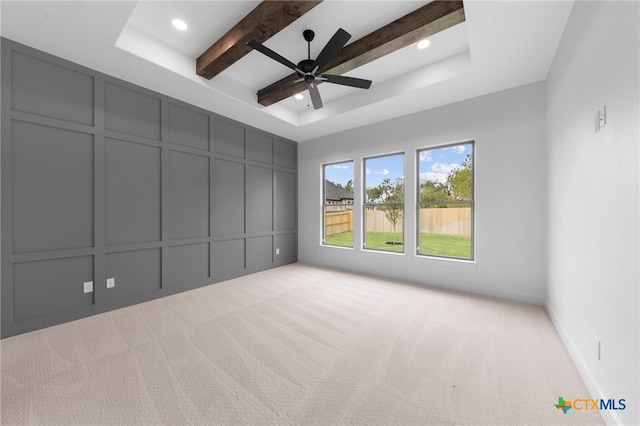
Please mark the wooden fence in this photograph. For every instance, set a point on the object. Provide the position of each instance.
(337, 222)
(452, 220)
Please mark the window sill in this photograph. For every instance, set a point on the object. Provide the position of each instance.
(324, 246)
(446, 261)
(393, 253)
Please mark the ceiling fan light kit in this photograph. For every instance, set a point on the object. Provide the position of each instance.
(310, 71)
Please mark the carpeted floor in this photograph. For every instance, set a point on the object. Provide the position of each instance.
(297, 345)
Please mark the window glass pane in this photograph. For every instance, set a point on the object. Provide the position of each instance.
(445, 230)
(338, 204)
(445, 201)
(384, 206)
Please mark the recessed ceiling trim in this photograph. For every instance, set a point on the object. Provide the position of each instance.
(424, 22)
(267, 19)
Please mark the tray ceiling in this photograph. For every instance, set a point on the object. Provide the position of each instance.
(499, 46)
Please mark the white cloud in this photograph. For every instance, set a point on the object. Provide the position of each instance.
(459, 149)
(384, 172)
(340, 166)
(425, 156)
(434, 177)
(438, 173)
(443, 167)
(368, 171)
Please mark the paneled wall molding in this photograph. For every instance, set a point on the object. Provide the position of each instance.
(104, 179)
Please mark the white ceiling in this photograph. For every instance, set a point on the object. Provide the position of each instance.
(502, 44)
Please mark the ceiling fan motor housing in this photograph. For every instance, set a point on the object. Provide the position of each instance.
(306, 65)
(309, 70)
(308, 35)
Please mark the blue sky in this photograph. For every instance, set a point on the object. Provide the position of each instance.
(379, 168)
(339, 173)
(435, 165)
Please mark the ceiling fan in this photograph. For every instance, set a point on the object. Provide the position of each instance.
(309, 70)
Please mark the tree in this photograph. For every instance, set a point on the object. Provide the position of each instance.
(459, 180)
(349, 185)
(389, 192)
(434, 191)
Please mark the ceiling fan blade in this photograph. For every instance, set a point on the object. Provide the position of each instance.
(276, 87)
(333, 47)
(347, 81)
(315, 96)
(273, 55)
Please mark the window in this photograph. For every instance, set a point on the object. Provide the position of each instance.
(445, 201)
(337, 206)
(384, 203)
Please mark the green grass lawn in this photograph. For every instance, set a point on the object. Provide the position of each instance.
(430, 244)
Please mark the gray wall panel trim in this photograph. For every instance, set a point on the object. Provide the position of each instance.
(189, 263)
(52, 188)
(133, 192)
(33, 294)
(259, 234)
(135, 271)
(183, 123)
(259, 199)
(285, 198)
(39, 86)
(6, 270)
(189, 241)
(226, 255)
(51, 122)
(131, 111)
(110, 134)
(128, 247)
(230, 138)
(230, 237)
(99, 197)
(165, 209)
(189, 195)
(192, 151)
(230, 257)
(212, 198)
(52, 254)
(260, 252)
(259, 147)
(286, 154)
(229, 197)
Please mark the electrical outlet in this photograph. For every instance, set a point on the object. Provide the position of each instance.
(88, 287)
(111, 282)
(277, 251)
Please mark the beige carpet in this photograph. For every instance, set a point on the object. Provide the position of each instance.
(297, 345)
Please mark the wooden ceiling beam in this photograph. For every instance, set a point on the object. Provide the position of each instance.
(265, 20)
(424, 22)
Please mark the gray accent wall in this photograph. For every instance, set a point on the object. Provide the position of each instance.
(103, 179)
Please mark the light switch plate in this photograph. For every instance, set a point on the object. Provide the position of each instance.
(88, 286)
(600, 118)
(111, 282)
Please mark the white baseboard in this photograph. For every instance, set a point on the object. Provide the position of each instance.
(594, 390)
(357, 268)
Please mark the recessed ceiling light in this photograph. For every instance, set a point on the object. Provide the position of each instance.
(299, 96)
(423, 44)
(179, 24)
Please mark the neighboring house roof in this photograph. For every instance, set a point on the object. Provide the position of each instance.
(334, 192)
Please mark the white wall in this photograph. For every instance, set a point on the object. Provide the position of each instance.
(508, 128)
(593, 199)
